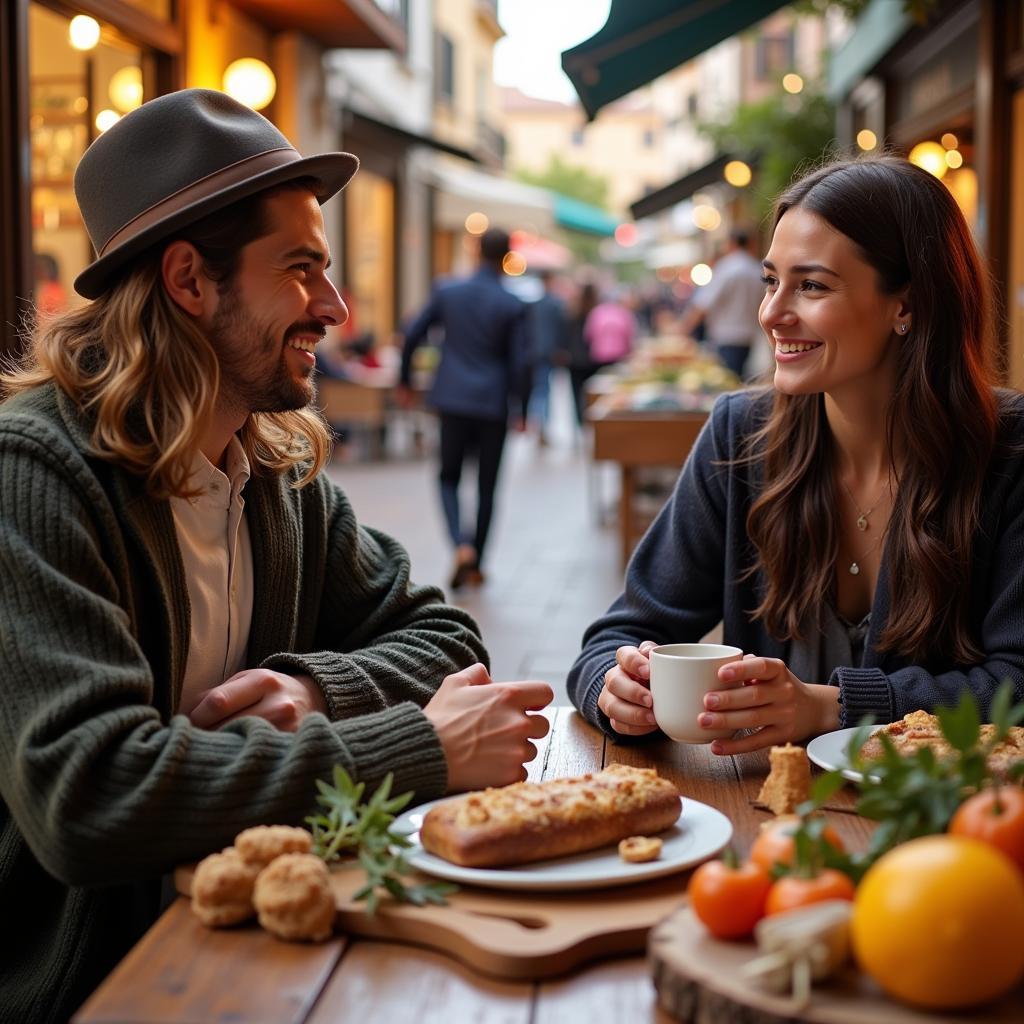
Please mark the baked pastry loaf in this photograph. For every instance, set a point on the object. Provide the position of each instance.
(532, 821)
(920, 729)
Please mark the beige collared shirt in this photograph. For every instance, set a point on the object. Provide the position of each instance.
(215, 548)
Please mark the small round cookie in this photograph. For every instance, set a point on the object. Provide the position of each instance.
(260, 845)
(222, 889)
(293, 898)
(639, 849)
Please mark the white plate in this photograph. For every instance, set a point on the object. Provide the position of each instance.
(828, 751)
(700, 833)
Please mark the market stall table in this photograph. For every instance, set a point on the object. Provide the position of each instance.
(180, 971)
(637, 439)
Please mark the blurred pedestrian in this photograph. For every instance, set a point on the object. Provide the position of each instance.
(550, 335)
(610, 331)
(729, 304)
(482, 370)
(575, 355)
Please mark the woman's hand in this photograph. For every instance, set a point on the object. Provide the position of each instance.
(626, 695)
(771, 701)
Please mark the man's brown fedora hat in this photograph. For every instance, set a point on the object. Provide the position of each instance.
(176, 159)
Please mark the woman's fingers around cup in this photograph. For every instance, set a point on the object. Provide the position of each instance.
(636, 661)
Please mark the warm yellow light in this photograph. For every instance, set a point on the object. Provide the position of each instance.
(514, 264)
(950, 141)
(954, 158)
(867, 139)
(251, 82)
(701, 274)
(125, 89)
(80, 105)
(707, 218)
(737, 173)
(931, 156)
(476, 223)
(963, 185)
(792, 83)
(107, 118)
(83, 32)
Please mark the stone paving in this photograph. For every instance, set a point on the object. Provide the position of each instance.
(551, 567)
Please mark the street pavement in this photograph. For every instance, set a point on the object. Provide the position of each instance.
(551, 567)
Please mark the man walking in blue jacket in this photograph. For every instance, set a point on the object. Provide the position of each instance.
(482, 370)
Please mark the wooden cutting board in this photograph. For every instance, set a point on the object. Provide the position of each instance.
(698, 979)
(510, 934)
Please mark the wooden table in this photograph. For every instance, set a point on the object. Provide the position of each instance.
(637, 439)
(182, 972)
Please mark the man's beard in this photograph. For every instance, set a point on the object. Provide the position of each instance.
(251, 379)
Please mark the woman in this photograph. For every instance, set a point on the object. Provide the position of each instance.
(858, 527)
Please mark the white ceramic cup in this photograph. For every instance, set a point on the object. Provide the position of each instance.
(680, 676)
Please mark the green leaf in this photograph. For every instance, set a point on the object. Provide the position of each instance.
(961, 725)
(364, 829)
(826, 786)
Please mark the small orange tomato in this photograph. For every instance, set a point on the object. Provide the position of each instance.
(775, 845)
(995, 816)
(729, 900)
(792, 891)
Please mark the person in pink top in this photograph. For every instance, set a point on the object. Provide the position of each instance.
(609, 332)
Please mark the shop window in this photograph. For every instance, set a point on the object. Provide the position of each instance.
(370, 255)
(73, 96)
(444, 81)
(773, 56)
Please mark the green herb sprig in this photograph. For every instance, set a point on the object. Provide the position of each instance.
(348, 825)
(914, 794)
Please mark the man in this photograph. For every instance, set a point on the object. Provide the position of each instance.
(728, 306)
(483, 369)
(195, 627)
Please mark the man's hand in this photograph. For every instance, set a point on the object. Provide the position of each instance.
(281, 699)
(484, 727)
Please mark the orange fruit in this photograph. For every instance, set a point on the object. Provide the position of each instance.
(937, 922)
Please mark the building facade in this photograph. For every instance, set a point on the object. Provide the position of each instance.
(950, 93)
(69, 70)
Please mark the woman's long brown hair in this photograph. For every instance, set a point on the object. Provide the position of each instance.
(138, 365)
(944, 418)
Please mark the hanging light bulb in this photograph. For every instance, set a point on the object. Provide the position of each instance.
(251, 82)
(83, 32)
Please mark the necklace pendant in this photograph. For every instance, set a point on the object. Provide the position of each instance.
(854, 569)
(862, 523)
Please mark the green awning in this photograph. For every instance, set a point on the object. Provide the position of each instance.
(876, 33)
(683, 188)
(579, 216)
(643, 39)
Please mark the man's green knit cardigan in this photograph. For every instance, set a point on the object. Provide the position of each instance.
(104, 787)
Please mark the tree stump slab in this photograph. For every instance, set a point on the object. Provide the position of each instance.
(698, 981)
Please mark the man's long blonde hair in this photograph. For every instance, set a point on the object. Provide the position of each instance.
(147, 377)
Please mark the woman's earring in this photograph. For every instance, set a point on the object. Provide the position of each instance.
(902, 328)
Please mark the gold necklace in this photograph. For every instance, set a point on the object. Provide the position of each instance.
(862, 517)
(854, 567)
